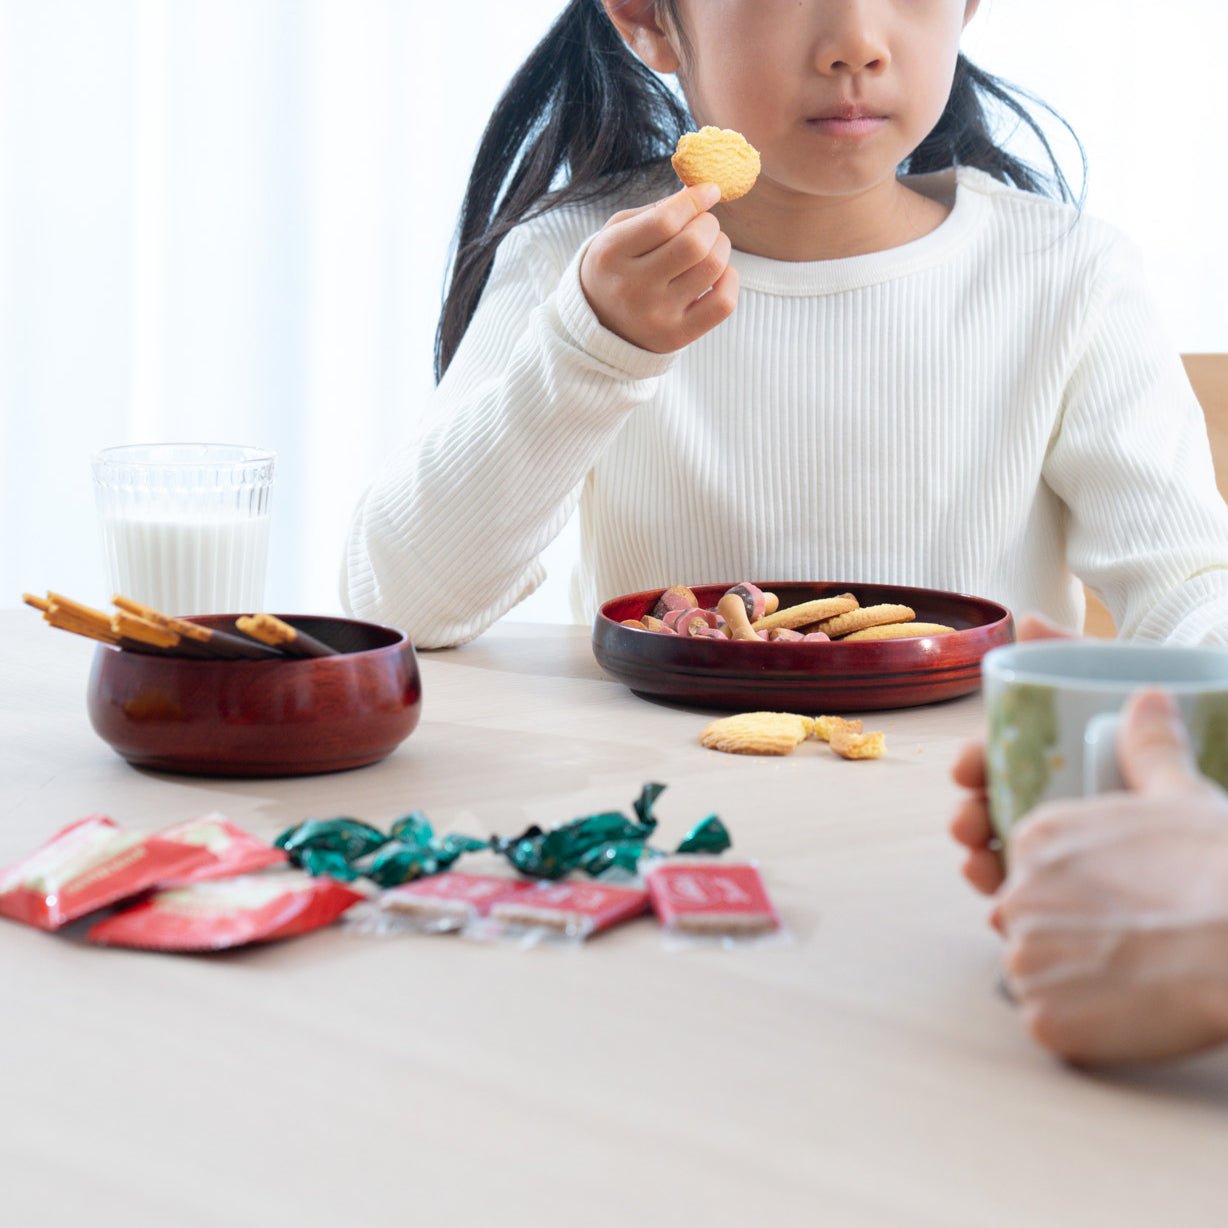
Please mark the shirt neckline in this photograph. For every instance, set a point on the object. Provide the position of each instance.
(812, 277)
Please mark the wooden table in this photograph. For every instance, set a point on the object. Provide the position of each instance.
(866, 1073)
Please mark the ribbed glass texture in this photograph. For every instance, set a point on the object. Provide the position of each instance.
(185, 525)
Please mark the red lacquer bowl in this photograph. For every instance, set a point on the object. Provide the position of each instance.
(261, 718)
(812, 678)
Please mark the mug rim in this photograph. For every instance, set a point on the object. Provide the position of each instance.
(1001, 663)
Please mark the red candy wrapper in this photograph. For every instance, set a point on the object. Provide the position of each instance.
(575, 910)
(231, 850)
(232, 912)
(441, 903)
(89, 864)
(707, 899)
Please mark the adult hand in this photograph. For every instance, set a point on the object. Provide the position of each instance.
(1115, 912)
(970, 825)
(659, 276)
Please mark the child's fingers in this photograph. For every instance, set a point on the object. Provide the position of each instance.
(711, 308)
(686, 249)
(703, 275)
(624, 214)
(653, 227)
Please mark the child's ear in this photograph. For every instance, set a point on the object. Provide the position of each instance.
(636, 21)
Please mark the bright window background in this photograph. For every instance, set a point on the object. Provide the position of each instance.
(229, 220)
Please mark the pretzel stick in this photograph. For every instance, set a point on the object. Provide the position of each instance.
(269, 629)
(209, 640)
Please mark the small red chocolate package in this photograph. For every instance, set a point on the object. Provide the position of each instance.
(573, 910)
(440, 903)
(88, 865)
(231, 850)
(230, 912)
(710, 899)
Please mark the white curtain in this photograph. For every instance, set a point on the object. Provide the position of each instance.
(229, 220)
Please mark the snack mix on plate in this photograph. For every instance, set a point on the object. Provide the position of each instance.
(746, 612)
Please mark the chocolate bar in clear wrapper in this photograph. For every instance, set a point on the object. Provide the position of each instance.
(442, 903)
(710, 898)
(575, 910)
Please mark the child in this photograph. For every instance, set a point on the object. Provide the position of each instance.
(893, 361)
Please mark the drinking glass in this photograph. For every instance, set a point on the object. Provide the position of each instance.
(185, 526)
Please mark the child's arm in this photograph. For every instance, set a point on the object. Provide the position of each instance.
(447, 538)
(1148, 530)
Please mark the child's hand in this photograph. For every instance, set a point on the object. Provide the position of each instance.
(659, 276)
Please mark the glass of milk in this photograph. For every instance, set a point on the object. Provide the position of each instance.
(185, 526)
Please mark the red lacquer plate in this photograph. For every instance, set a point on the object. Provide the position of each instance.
(261, 718)
(813, 678)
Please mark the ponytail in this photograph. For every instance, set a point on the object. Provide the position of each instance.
(964, 136)
(582, 109)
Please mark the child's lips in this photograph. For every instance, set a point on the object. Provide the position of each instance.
(847, 125)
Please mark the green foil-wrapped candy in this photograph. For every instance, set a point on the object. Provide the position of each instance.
(349, 838)
(415, 852)
(709, 835)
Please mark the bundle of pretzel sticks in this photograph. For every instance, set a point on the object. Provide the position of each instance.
(140, 628)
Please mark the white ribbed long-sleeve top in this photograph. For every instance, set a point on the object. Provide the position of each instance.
(992, 408)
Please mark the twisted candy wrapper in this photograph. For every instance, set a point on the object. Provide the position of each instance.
(346, 848)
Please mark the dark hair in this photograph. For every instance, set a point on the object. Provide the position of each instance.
(964, 135)
(583, 115)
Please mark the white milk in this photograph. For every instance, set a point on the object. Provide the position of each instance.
(189, 566)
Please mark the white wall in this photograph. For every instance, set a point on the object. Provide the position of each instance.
(229, 219)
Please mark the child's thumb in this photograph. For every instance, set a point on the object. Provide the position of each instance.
(1152, 747)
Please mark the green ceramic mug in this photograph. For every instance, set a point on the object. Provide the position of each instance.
(1052, 708)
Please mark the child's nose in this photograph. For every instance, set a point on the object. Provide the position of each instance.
(850, 38)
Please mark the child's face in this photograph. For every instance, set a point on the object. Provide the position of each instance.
(834, 94)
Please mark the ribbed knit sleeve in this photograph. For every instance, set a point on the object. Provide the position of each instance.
(1147, 528)
(448, 536)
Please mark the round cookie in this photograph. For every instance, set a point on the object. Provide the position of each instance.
(757, 733)
(717, 155)
(898, 631)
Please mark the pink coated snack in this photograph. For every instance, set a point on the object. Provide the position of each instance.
(701, 898)
(231, 850)
(572, 909)
(88, 865)
(231, 912)
(451, 900)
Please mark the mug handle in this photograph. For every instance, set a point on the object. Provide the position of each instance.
(1101, 773)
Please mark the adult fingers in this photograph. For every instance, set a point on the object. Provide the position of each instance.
(969, 766)
(970, 824)
(1152, 747)
(983, 869)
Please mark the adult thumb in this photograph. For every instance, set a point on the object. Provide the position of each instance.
(1152, 747)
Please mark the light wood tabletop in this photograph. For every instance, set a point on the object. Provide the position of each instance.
(864, 1072)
